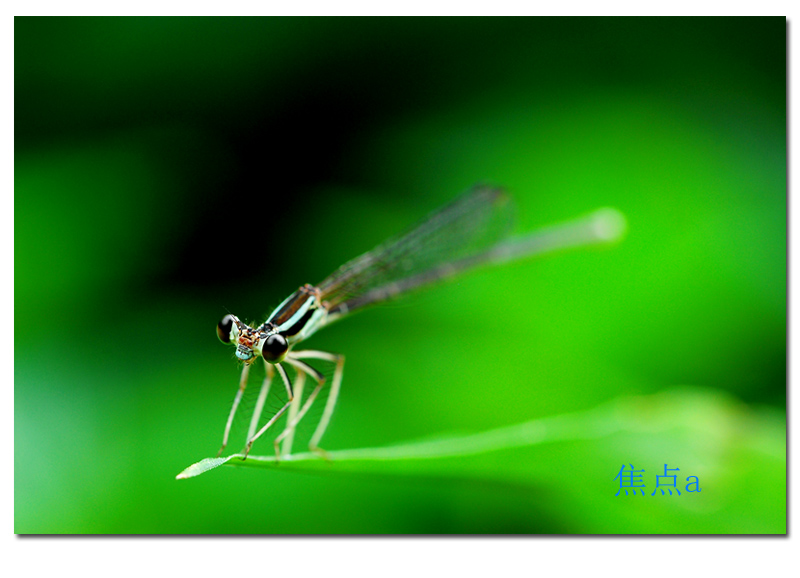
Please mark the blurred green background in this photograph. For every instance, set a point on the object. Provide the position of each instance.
(168, 169)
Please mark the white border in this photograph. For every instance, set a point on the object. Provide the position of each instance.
(542, 556)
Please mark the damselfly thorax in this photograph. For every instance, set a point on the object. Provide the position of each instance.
(472, 230)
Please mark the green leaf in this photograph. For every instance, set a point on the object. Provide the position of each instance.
(695, 426)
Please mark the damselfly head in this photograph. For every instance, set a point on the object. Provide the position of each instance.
(250, 343)
(231, 330)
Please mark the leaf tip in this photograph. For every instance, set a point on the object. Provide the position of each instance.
(201, 467)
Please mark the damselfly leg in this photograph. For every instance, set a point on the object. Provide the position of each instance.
(295, 413)
(262, 398)
(294, 358)
(287, 437)
(297, 409)
(236, 401)
(288, 383)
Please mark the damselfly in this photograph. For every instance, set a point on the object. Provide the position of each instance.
(470, 231)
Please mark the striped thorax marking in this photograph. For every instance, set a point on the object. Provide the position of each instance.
(294, 314)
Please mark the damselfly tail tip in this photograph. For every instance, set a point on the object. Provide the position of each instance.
(608, 225)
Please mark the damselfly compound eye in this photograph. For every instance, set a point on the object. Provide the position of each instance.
(224, 329)
(274, 348)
